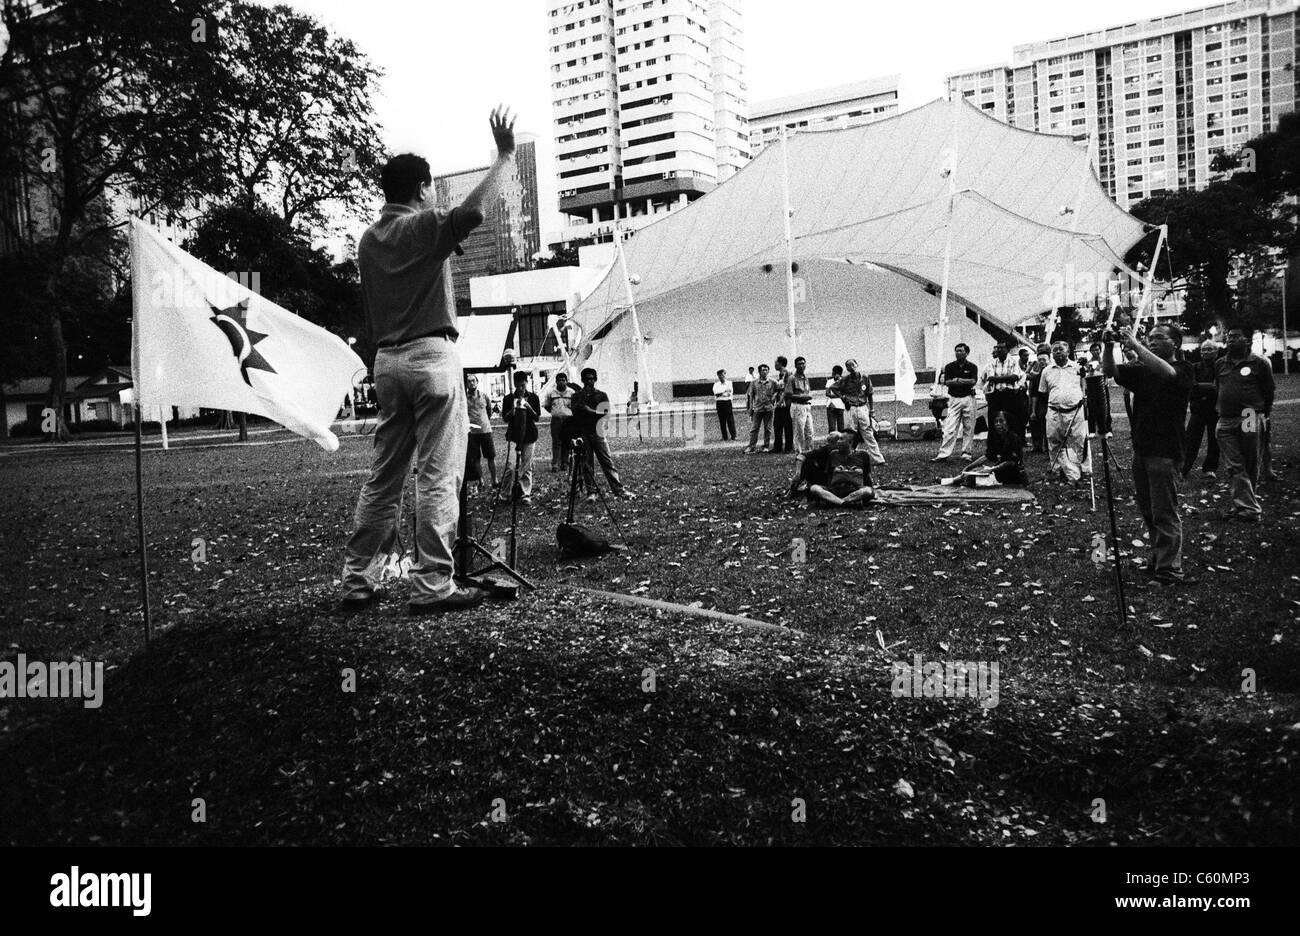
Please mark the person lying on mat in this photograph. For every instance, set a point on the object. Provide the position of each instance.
(1004, 456)
(835, 473)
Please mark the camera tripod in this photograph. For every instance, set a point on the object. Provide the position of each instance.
(1098, 392)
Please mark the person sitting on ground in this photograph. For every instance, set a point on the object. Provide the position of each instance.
(1004, 455)
(835, 473)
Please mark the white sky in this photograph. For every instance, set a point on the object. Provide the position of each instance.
(447, 63)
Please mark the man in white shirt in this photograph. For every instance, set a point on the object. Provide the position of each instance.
(558, 402)
(722, 399)
(1067, 427)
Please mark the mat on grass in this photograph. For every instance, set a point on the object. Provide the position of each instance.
(951, 494)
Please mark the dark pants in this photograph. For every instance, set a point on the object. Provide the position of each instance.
(834, 419)
(561, 448)
(1002, 401)
(1202, 422)
(1156, 481)
(1038, 424)
(726, 420)
(783, 429)
(597, 449)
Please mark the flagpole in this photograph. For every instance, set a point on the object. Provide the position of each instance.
(139, 520)
(789, 241)
(642, 363)
(947, 249)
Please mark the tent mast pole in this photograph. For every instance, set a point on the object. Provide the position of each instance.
(1068, 284)
(642, 364)
(947, 248)
(1151, 275)
(789, 243)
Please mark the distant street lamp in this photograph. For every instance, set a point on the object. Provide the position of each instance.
(1286, 359)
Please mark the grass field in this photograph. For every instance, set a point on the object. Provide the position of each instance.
(530, 722)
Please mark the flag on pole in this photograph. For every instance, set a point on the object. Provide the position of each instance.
(203, 339)
(904, 373)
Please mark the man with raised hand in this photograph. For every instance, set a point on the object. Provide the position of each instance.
(402, 259)
(1161, 385)
(1246, 391)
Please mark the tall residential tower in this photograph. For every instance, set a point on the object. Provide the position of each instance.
(649, 105)
(1157, 98)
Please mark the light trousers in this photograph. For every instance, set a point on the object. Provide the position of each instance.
(421, 393)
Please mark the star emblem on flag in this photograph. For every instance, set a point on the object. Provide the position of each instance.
(233, 322)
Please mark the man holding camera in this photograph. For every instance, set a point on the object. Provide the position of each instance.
(520, 412)
(1161, 385)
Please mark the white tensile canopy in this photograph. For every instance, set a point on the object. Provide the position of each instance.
(1025, 214)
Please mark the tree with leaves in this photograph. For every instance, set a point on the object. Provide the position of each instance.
(300, 133)
(1215, 234)
(103, 99)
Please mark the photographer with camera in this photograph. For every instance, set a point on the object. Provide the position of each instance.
(1161, 384)
(520, 412)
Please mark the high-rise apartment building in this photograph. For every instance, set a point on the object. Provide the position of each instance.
(649, 105)
(510, 233)
(849, 105)
(1156, 98)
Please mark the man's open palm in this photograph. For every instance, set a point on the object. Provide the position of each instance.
(503, 129)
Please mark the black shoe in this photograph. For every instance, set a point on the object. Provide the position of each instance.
(458, 600)
(353, 603)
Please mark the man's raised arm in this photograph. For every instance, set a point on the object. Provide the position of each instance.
(503, 132)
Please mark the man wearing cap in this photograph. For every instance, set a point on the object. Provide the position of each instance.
(960, 377)
(855, 389)
(402, 259)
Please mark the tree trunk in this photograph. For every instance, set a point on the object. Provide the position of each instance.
(226, 420)
(243, 427)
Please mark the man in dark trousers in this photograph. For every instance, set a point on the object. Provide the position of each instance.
(1161, 385)
(1246, 391)
(782, 427)
(520, 412)
(1204, 412)
(722, 394)
(590, 410)
(402, 259)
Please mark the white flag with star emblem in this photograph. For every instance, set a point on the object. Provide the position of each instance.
(203, 339)
(904, 372)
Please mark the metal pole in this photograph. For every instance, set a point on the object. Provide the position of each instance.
(642, 364)
(947, 251)
(789, 243)
(139, 520)
(1286, 360)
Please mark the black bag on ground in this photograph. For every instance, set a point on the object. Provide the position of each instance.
(574, 539)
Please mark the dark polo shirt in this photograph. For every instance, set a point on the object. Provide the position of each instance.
(405, 282)
(955, 370)
(1159, 408)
